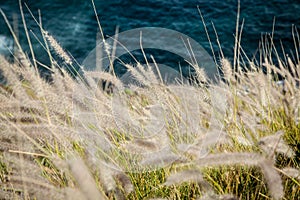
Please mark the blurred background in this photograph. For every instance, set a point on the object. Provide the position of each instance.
(73, 23)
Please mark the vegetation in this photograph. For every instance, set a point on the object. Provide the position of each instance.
(68, 138)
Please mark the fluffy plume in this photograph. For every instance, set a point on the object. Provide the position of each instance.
(272, 178)
(57, 48)
(292, 172)
(227, 69)
(200, 74)
(250, 159)
(275, 144)
(160, 159)
(184, 176)
(212, 196)
(84, 179)
(125, 182)
(140, 146)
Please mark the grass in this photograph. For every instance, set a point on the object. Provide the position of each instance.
(151, 142)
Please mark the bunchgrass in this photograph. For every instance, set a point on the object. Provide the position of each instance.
(68, 137)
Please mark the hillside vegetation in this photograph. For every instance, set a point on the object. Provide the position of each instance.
(69, 137)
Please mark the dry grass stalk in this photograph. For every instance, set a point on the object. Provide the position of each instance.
(200, 74)
(57, 48)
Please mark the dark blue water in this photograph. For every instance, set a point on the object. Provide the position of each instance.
(74, 25)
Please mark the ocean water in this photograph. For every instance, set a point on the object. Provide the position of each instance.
(74, 25)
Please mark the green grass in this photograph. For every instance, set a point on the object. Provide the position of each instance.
(3, 170)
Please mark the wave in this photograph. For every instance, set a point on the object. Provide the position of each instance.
(6, 45)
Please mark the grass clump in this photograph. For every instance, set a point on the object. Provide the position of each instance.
(247, 182)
